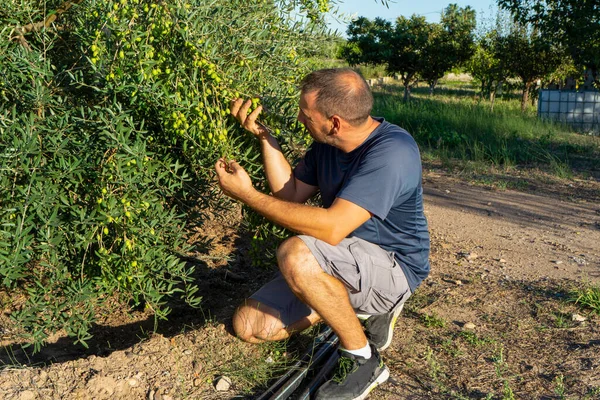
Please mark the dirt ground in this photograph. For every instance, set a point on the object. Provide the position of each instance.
(492, 321)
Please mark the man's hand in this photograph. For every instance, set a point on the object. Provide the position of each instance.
(233, 179)
(239, 109)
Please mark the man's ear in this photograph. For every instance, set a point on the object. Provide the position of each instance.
(336, 122)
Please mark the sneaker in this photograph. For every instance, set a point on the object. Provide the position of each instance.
(355, 377)
(379, 328)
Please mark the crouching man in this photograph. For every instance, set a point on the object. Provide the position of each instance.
(363, 253)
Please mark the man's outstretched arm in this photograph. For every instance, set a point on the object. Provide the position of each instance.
(328, 224)
(278, 171)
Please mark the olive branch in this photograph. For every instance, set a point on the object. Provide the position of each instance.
(18, 33)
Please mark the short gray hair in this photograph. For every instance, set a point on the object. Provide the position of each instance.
(340, 91)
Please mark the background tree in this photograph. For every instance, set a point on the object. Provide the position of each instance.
(529, 56)
(368, 41)
(413, 48)
(574, 24)
(404, 50)
(451, 44)
(487, 67)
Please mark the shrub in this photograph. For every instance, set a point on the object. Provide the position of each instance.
(111, 119)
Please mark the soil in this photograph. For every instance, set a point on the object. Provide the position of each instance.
(493, 320)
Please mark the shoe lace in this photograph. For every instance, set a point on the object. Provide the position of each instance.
(345, 367)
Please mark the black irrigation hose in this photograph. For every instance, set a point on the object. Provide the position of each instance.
(320, 377)
(323, 346)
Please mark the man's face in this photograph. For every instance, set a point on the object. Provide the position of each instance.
(317, 124)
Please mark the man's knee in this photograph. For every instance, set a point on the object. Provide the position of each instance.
(255, 323)
(295, 260)
(290, 250)
(242, 325)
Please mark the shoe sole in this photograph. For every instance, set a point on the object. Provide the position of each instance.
(397, 312)
(384, 376)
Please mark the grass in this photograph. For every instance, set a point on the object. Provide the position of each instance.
(474, 340)
(587, 296)
(559, 386)
(455, 126)
(433, 321)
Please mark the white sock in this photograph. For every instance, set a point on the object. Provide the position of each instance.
(365, 352)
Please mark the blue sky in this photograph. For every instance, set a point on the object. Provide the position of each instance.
(429, 8)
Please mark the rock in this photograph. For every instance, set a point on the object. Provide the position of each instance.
(133, 382)
(269, 360)
(469, 325)
(447, 191)
(557, 262)
(197, 382)
(222, 384)
(27, 395)
(502, 260)
(578, 318)
(579, 260)
(458, 283)
(187, 352)
(472, 256)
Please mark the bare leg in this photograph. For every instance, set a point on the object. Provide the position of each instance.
(322, 292)
(256, 323)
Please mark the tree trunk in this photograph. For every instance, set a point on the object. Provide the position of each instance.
(525, 96)
(432, 86)
(407, 88)
(406, 93)
(493, 91)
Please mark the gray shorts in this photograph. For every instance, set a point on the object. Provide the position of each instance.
(375, 281)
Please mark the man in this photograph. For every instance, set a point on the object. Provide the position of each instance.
(364, 252)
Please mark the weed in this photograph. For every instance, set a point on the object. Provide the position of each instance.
(450, 348)
(474, 340)
(561, 320)
(559, 168)
(593, 393)
(507, 392)
(499, 362)
(559, 386)
(518, 184)
(491, 181)
(433, 321)
(435, 370)
(273, 362)
(588, 296)
(418, 301)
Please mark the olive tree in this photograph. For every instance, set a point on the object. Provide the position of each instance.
(112, 114)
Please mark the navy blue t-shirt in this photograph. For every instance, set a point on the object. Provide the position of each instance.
(383, 176)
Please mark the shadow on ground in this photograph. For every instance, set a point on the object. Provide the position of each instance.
(514, 206)
(222, 289)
